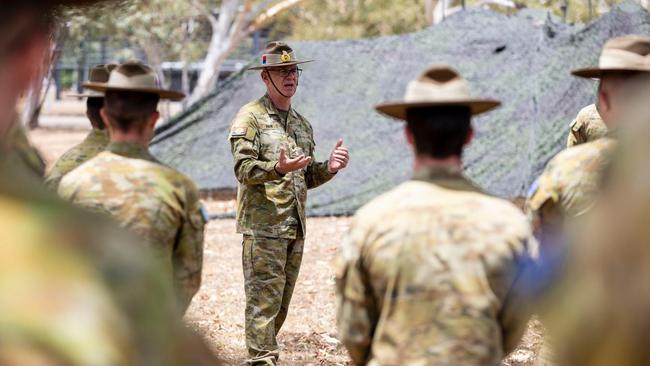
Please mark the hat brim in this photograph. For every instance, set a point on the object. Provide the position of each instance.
(95, 94)
(398, 109)
(597, 73)
(291, 63)
(162, 93)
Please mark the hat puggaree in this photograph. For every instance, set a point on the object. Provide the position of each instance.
(438, 86)
(277, 54)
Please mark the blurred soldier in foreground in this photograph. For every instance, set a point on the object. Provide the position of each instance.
(599, 315)
(587, 126)
(96, 140)
(158, 203)
(273, 148)
(569, 184)
(72, 290)
(23, 152)
(429, 271)
(572, 180)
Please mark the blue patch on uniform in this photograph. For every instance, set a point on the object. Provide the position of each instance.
(205, 214)
(533, 188)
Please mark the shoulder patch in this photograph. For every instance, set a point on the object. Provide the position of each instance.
(245, 132)
(576, 125)
(204, 213)
(532, 189)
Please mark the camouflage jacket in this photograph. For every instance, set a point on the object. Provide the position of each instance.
(587, 126)
(158, 203)
(428, 275)
(92, 145)
(568, 185)
(269, 204)
(22, 152)
(77, 291)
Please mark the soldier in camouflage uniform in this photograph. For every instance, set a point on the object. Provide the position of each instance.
(587, 126)
(429, 273)
(22, 151)
(96, 140)
(571, 180)
(73, 290)
(156, 202)
(598, 314)
(273, 148)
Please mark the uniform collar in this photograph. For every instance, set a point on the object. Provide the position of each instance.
(130, 150)
(98, 136)
(272, 109)
(447, 177)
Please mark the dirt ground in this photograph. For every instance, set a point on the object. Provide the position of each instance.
(217, 311)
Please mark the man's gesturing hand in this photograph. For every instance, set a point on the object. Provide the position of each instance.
(338, 158)
(286, 165)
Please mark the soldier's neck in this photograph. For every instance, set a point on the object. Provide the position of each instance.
(133, 138)
(428, 162)
(280, 102)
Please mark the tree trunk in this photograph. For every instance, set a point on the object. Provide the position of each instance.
(219, 43)
(38, 92)
(232, 26)
(428, 11)
(440, 12)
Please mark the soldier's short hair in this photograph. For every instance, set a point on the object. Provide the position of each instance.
(93, 106)
(439, 132)
(130, 110)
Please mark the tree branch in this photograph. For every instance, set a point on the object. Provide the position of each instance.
(204, 10)
(263, 18)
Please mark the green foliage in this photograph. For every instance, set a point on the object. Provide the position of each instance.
(344, 19)
(164, 29)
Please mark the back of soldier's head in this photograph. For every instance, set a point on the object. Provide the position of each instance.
(439, 132)
(130, 111)
(615, 91)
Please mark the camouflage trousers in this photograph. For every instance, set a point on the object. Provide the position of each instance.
(271, 267)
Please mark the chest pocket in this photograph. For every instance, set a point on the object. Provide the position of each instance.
(305, 141)
(270, 141)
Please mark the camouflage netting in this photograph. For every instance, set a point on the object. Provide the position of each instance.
(523, 60)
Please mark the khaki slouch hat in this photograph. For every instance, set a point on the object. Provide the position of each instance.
(134, 76)
(98, 74)
(277, 54)
(630, 53)
(438, 86)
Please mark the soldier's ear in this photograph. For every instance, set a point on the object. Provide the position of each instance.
(153, 119)
(409, 135)
(470, 135)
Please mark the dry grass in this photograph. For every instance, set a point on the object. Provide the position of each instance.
(217, 311)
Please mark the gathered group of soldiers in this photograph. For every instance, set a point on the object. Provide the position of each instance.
(433, 272)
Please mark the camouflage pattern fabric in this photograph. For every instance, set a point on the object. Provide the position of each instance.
(158, 203)
(587, 126)
(74, 291)
(22, 152)
(568, 185)
(271, 267)
(598, 313)
(92, 145)
(268, 204)
(429, 275)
